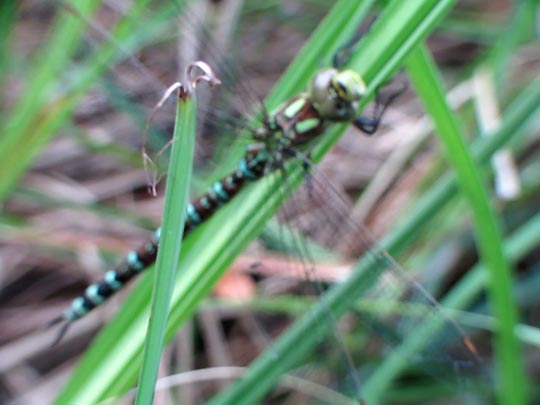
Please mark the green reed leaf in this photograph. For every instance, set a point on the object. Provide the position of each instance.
(170, 245)
(512, 382)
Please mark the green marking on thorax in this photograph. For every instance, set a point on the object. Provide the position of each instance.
(294, 107)
(307, 125)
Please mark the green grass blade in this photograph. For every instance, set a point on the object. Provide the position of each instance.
(172, 230)
(511, 376)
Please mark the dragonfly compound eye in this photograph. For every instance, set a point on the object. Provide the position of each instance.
(349, 85)
(335, 93)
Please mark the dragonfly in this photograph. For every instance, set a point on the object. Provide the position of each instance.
(280, 137)
(332, 96)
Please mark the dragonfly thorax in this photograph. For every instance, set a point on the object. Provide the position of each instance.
(335, 94)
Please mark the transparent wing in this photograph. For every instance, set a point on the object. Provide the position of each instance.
(394, 327)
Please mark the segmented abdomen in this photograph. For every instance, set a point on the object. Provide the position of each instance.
(250, 168)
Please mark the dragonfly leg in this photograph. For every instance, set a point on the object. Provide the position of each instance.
(306, 162)
(367, 125)
(370, 125)
(278, 162)
(306, 166)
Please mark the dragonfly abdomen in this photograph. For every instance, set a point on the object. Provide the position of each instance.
(332, 96)
(250, 168)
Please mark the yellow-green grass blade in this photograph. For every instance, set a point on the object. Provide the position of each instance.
(511, 377)
(172, 230)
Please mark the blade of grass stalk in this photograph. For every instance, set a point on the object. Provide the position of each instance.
(172, 231)
(111, 364)
(511, 376)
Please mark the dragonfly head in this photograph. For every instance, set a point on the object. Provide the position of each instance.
(335, 94)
